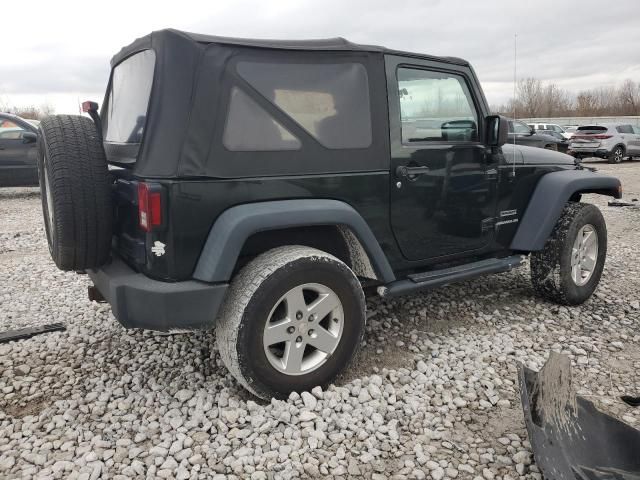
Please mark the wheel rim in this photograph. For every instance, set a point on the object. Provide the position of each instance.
(584, 255)
(303, 329)
(50, 212)
(617, 155)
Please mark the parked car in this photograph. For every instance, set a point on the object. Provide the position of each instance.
(18, 165)
(522, 134)
(551, 127)
(563, 146)
(291, 188)
(613, 141)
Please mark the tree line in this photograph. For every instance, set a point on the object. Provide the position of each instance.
(537, 99)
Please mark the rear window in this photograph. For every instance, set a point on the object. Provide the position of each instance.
(129, 98)
(329, 100)
(592, 129)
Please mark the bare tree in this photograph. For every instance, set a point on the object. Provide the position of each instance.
(529, 97)
(629, 95)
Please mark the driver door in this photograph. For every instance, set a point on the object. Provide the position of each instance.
(443, 183)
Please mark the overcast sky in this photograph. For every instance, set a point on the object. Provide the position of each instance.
(59, 51)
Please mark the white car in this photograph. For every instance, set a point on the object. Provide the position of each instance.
(613, 141)
(553, 127)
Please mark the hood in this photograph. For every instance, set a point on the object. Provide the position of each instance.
(534, 155)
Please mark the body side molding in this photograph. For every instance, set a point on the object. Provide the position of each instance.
(235, 225)
(551, 194)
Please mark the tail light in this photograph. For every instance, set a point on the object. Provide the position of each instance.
(590, 137)
(149, 206)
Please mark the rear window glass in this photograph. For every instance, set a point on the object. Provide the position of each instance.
(250, 128)
(592, 128)
(329, 101)
(129, 98)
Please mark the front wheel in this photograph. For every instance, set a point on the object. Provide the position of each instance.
(293, 319)
(568, 269)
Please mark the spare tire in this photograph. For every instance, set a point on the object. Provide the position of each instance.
(75, 189)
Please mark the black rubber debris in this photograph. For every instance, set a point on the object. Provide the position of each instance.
(620, 203)
(570, 438)
(23, 333)
(631, 401)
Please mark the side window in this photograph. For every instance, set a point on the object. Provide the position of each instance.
(328, 100)
(435, 107)
(624, 129)
(250, 128)
(13, 132)
(519, 127)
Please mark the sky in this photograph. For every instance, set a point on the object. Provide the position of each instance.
(58, 52)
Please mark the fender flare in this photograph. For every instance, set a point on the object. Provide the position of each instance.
(236, 224)
(549, 198)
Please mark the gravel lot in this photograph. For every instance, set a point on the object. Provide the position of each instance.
(433, 392)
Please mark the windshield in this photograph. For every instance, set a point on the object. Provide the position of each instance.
(129, 98)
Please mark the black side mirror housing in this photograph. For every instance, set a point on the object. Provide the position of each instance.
(29, 137)
(497, 130)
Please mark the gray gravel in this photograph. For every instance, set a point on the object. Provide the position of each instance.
(433, 393)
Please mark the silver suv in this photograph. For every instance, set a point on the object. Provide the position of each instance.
(613, 141)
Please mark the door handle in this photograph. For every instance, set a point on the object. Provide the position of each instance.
(408, 172)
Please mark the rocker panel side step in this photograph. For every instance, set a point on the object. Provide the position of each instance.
(439, 278)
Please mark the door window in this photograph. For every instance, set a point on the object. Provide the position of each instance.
(519, 128)
(435, 107)
(11, 133)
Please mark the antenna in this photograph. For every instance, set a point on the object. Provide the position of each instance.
(515, 82)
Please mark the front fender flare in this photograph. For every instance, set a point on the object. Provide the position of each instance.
(549, 198)
(232, 228)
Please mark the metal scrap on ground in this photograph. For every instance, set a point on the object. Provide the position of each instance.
(570, 438)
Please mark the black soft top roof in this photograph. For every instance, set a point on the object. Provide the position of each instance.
(327, 44)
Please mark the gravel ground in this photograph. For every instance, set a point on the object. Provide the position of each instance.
(433, 392)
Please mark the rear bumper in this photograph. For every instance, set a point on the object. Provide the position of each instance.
(589, 152)
(138, 301)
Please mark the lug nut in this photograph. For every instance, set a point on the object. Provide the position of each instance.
(310, 332)
(298, 315)
(291, 330)
(312, 317)
(299, 339)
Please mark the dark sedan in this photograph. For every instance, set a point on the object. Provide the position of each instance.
(563, 146)
(522, 134)
(18, 140)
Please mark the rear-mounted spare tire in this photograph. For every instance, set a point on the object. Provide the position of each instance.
(75, 189)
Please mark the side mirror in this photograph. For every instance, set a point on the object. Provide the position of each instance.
(532, 131)
(497, 130)
(29, 137)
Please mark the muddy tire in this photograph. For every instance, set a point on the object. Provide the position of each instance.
(568, 269)
(75, 190)
(292, 319)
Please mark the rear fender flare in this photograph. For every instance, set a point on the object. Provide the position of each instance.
(236, 224)
(549, 198)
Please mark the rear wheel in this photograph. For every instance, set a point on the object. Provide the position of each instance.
(569, 268)
(75, 191)
(617, 155)
(293, 319)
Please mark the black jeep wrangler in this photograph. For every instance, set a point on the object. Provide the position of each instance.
(261, 187)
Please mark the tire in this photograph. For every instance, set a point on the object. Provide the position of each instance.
(617, 154)
(75, 190)
(257, 296)
(551, 268)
